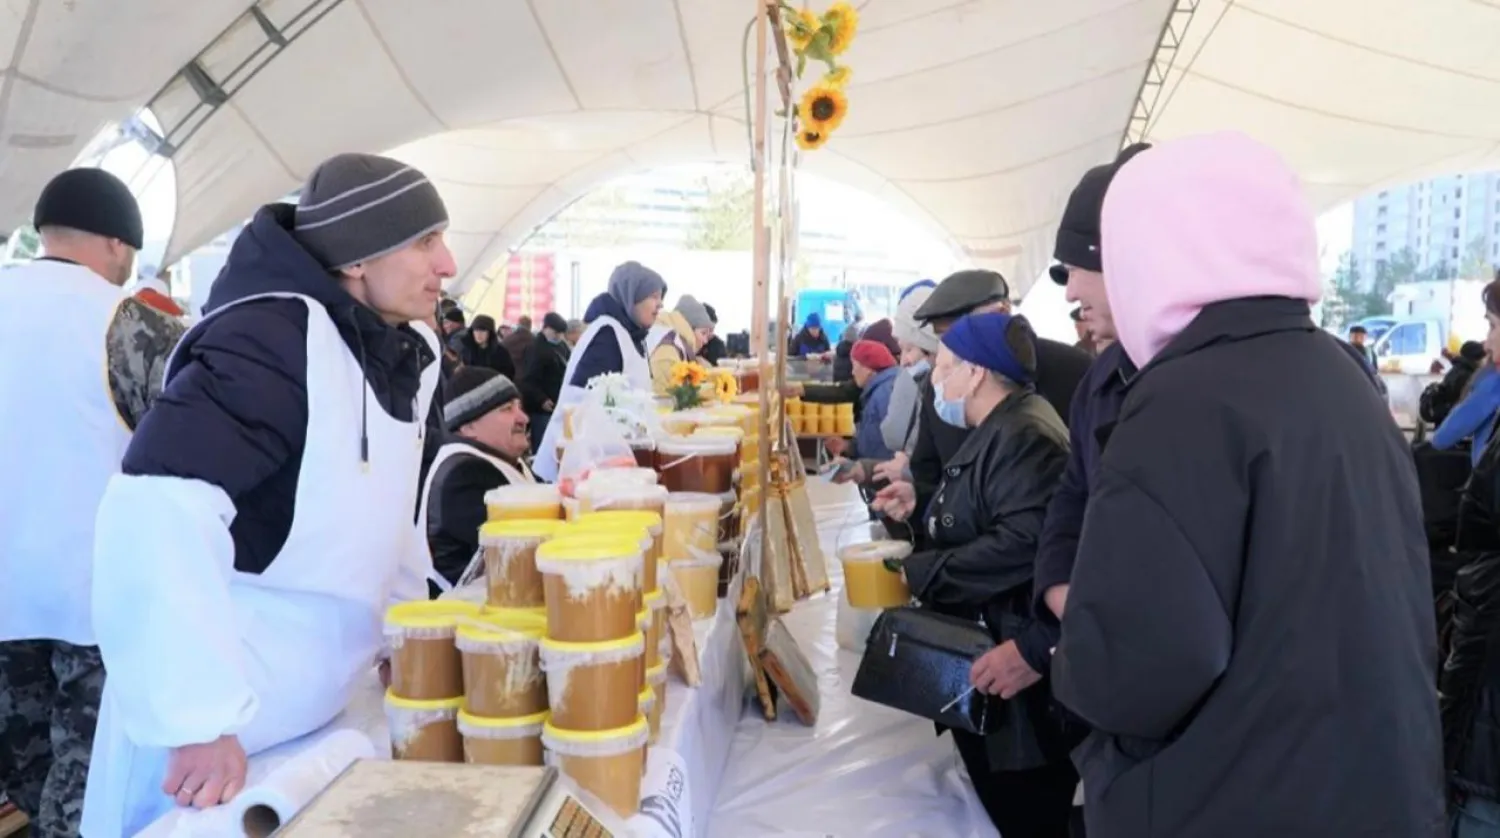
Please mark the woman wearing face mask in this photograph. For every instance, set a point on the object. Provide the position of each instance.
(977, 539)
(615, 342)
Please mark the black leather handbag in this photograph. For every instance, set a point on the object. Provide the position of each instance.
(919, 661)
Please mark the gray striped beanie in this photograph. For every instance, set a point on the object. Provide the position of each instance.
(356, 207)
(473, 392)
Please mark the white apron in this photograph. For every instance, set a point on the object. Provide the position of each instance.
(637, 371)
(308, 627)
(513, 477)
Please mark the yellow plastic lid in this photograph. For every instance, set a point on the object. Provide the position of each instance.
(484, 721)
(596, 646)
(654, 600)
(430, 613)
(635, 728)
(642, 617)
(657, 673)
(521, 528)
(497, 625)
(646, 695)
(522, 494)
(588, 547)
(396, 701)
(634, 517)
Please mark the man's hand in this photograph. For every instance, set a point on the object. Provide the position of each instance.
(548, 406)
(854, 473)
(1002, 671)
(894, 469)
(896, 501)
(1056, 598)
(206, 775)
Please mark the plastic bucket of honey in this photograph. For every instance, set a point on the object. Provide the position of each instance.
(690, 525)
(595, 497)
(511, 577)
(502, 666)
(633, 520)
(655, 627)
(514, 741)
(524, 501)
(593, 686)
(424, 731)
(698, 464)
(647, 702)
(868, 583)
(425, 665)
(698, 579)
(593, 586)
(609, 764)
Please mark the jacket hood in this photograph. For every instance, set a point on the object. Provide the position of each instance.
(604, 304)
(1197, 221)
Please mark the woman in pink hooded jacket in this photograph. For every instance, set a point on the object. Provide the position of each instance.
(1249, 628)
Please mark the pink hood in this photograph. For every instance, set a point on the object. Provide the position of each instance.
(1197, 221)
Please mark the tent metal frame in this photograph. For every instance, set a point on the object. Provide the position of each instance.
(1158, 70)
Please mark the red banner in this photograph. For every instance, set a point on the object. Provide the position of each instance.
(530, 282)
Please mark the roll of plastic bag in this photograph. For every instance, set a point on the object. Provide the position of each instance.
(262, 808)
(852, 625)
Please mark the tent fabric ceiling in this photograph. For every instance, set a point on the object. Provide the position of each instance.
(973, 116)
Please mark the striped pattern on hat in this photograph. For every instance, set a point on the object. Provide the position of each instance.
(358, 207)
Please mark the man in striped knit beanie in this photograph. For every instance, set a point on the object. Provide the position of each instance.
(264, 519)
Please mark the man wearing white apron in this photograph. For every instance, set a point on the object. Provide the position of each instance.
(68, 403)
(488, 437)
(615, 342)
(263, 520)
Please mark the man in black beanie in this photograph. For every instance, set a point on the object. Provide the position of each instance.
(60, 452)
(264, 520)
(484, 448)
(542, 373)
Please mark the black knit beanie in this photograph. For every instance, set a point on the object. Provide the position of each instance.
(1078, 240)
(91, 201)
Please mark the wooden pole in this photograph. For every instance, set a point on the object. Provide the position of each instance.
(759, 319)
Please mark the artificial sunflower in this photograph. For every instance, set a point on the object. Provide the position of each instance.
(800, 28)
(810, 139)
(726, 386)
(838, 78)
(842, 20)
(823, 108)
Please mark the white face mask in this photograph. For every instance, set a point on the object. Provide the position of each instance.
(920, 366)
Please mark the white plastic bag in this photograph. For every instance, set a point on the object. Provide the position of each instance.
(852, 625)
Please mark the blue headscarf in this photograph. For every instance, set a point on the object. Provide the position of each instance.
(980, 340)
(813, 321)
(906, 292)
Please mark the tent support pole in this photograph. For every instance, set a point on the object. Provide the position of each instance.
(1158, 69)
(759, 318)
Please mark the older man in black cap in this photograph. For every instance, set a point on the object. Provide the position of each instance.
(264, 520)
(487, 442)
(63, 430)
(1059, 369)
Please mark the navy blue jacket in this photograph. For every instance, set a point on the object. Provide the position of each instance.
(873, 404)
(602, 355)
(1094, 409)
(234, 410)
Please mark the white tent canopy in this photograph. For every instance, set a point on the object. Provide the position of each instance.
(974, 116)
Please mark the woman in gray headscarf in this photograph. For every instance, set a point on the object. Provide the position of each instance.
(615, 342)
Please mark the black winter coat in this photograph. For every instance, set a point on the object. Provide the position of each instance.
(492, 355)
(1470, 680)
(542, 376)
(1249, 629)
(978, 545)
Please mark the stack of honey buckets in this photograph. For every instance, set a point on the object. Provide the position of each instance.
(561, 664)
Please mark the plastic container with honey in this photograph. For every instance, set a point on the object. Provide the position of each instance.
(698, 464)
(648, 520)
(647, 702)
(600, 497)
(502, 663)
(593, 586)
(514, 741)
(600, 529)
(529, 501)
(656, 681)
(645, 453)
(868, 583)
(511, 577)
(655, 626)
(698, 579)
(592, 686)
(425, 664)
(609, 764)
(690, 525)
(424, 731)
